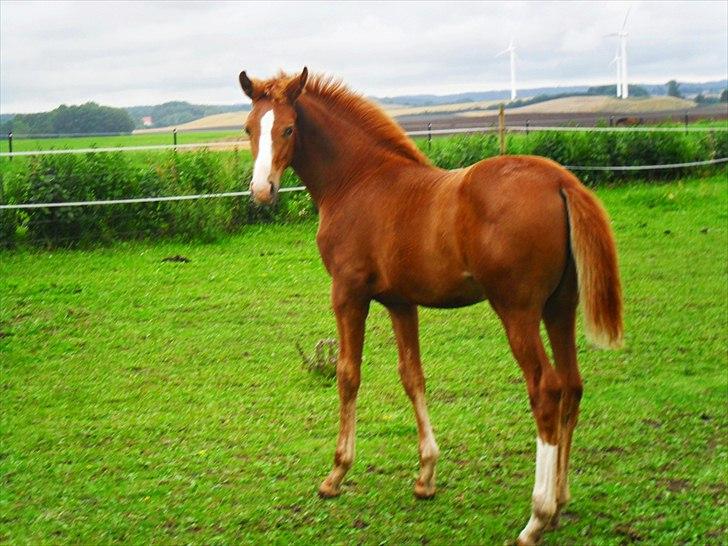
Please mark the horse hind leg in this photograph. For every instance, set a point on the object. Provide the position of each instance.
(560, 319)
(544, 392)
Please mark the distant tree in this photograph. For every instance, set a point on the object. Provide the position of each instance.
(86, 118)
(92, 118)
(703, 100)
(724, 95)
(611, 91)
(673, 89)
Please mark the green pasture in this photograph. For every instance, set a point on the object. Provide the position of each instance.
(186, 137)
(164, 402)
(145, 139)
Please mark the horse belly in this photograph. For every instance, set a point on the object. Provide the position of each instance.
(432, 288)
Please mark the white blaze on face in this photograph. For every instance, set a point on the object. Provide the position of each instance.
(264, 161)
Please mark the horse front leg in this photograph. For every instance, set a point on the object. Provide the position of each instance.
(404, 321)
(351, 313)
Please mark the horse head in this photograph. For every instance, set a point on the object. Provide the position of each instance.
(271, 126)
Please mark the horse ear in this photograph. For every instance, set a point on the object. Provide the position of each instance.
(247, 84)
(296, 85)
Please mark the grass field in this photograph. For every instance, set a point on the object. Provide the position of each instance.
(147, 139)
(150, 402)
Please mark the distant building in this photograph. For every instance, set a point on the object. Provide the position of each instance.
(147, 121)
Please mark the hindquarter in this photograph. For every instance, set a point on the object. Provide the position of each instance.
(514, 228)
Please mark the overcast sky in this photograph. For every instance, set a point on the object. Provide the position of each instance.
(131, 53)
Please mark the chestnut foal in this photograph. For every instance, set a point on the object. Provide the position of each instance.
(521, 232)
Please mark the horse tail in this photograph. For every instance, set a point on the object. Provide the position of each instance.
(595, 256)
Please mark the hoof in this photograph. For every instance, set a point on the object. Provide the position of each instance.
(424, 493)
(327, 491)
(522, 542)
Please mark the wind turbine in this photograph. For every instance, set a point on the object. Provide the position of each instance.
(512, 50)
(617, 61)
(622, 47)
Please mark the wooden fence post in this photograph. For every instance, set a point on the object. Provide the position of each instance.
(502, 129)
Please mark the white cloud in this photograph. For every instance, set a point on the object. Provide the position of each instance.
(125, 53)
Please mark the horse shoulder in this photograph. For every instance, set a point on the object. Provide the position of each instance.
(343, 250)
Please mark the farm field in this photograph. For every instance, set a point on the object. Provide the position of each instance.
(233, 119)
(396, 111)
(566, 105)
(214, 121)
(165, 402)
(600, 104)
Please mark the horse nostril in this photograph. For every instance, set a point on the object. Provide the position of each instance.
(272, 188)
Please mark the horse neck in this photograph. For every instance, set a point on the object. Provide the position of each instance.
(332, 154)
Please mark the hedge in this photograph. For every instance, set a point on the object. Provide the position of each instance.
(99, 176)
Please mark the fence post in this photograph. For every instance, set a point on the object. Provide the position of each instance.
(527, 124)
(502, 129)
(686, 123)
(174, 137)
(429, 136)
(10, 144)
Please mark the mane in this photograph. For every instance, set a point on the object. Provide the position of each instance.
(370, 117)
(336, 96)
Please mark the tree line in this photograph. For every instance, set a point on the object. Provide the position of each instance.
(178, 112)
(84, 118)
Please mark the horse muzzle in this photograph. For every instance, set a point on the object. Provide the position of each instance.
(264, 192)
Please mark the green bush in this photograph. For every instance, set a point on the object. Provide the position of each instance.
(589, 149)
(459, 151)
(11, 182)
(101, 176)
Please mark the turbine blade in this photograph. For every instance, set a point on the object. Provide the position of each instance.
(503, 52)
(624, 24)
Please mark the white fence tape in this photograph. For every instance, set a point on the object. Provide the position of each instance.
(229, 144)
(302, 188)
(141, 199)
(646, 167)
(522, 128)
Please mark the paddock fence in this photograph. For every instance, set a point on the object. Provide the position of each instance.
(46, 216)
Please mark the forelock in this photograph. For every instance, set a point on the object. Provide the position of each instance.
(274, 88)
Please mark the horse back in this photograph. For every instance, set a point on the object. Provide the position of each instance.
(447, 238)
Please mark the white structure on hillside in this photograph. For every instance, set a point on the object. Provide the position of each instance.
(512, 50)
(621, 59)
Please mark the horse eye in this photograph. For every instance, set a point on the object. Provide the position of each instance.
(288, 131)
(247, 130)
